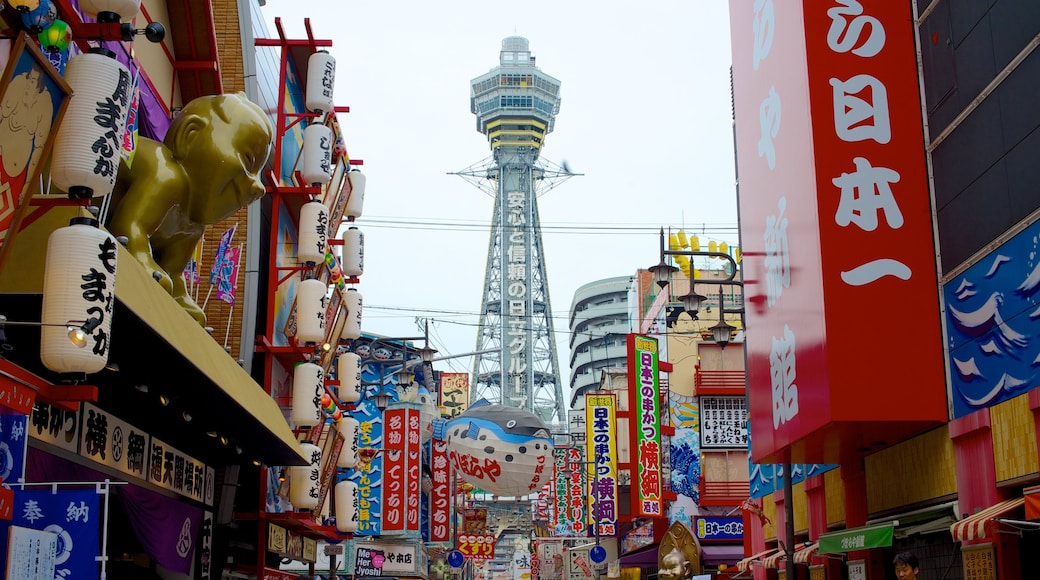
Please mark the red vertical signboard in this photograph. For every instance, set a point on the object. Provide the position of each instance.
(440, 494)
(413, 453)
(835, 218)
(395, 468)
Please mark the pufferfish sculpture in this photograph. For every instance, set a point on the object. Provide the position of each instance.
(503, 450)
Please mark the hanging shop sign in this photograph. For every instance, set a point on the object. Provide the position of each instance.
(395, 482)
(413, 468)
(864, 538)
(601, 434)
(724, 422)
(718, 528)
(440, 493)
(477, 546)
(645, 392)
(107, 440)
(979, 562)
(828, 137)
(387, 559)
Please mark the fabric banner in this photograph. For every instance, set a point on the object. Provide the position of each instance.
(166, 528)
(13, 438)
(129, 145)
(227, 281)
(222, 249)
(74, 516)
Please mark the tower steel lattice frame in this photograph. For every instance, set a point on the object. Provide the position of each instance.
(516, 106)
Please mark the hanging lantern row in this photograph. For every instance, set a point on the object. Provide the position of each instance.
(348, 369)
(317, 154)
(353, 252)
(356, 200)
(40, 18)
(87, 146)
(314, 233)
(321, 81)
(308, 387)
(350, 429)
(352, 303)
(56, 38)
(310, 311)
(348, 504)
(79, 283)
(305, 480)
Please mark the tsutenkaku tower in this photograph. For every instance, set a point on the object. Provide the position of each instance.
(516, 106)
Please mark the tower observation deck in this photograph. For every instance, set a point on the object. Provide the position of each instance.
(516, 106)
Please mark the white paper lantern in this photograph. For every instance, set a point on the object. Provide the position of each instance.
(348, 506)
(79, 281)
(352, 303)
(356, 201)
(310, 311)
(348, 369)
(321, 81)
(314, 233)
(350, 429)
(317, 154)
(305, 481)
(124, 10)
(88, 144)
(308, 387)
(353, 252)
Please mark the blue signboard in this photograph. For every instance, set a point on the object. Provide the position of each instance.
(993, 325)
(718, 528)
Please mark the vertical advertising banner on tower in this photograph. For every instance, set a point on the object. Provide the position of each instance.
(395, 467)
(644, 391)
(601, 434)
(440, 493)
(413, 457)
(834, 202)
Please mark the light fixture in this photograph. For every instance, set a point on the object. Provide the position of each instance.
(40, 18)
(663, 273)
(722, 332)
(382, 400)
(426, 354)
(78, 335)
(325, 346)
(186, 416)
(238, 450)
(55, 37)
(256, 463)
(154, 32)
(24, 5)
(223, 440)
(211, 433)
(142, 388)
(692, 301)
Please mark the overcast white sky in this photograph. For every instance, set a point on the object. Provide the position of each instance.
(645, 116)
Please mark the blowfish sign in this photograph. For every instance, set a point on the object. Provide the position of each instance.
(502, 450)
(832, 170)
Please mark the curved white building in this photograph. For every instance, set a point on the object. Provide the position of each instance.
(599, 323)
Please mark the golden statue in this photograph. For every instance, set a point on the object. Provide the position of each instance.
(679, 556)
(206, 168)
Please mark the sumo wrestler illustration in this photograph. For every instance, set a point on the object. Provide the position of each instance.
(206, 168)
(503, 450)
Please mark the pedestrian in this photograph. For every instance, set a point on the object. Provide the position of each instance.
(906, 566)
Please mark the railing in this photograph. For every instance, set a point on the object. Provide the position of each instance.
(722, 493)
(719, 380)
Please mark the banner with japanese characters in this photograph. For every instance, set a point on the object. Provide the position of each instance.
(601, 435)
(396, 470)
(645, 397)
(835, 212)
(440, 493)
(413, 463)
(74, 515)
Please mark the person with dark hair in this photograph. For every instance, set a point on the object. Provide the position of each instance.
(906, 566)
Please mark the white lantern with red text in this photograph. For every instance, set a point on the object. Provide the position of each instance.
(321, 81)
(89, 141)
(356, 201)
(352, 303)
(310, 311)
(313, 234)
(348, 506)
(308, 387)
(503, 450)
(305, 480)
(79, 283)
(317, 154)
(350, 429)
(353, 252)
(348, 369)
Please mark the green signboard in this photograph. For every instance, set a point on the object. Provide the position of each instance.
(645, 396)
(879, 536)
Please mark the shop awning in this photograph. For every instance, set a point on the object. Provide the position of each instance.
(974, 526)
(713, 555)
(863, 538)
(802, 556)
(745, 564)
(646, 556)
(772, 561)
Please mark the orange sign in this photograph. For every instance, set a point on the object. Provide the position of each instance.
(477, 547)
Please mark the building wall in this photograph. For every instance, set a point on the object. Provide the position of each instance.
(834, 492)
(914, 471)
(1014, 439)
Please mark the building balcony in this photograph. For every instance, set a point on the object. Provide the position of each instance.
(729, 382)
(723, 493)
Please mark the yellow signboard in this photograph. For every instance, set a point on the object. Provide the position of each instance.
(979, 562)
